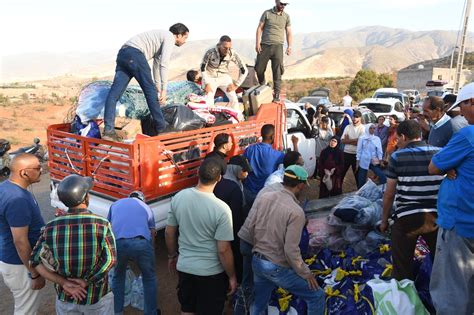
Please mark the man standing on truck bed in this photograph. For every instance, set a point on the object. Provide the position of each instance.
(132, 62)
(271, 30)
(215, 72)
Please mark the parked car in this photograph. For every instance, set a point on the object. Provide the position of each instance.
(319, 96)
(392, 93)
(385, 107)
(337, 114)
(414, 93)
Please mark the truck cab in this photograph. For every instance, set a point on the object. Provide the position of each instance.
(163, 165)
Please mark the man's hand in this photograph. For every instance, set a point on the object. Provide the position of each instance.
(231, 87)
(294, 139)
(312, 283)
(38, 283)
(172, 265)
(207, 88)
(383, 227)
(74, 290)
(451, 174)
(258, 48)
(232, 286)
(81, 282)
(288, 51)
(163, 97)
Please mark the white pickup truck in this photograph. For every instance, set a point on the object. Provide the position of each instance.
(163, 165)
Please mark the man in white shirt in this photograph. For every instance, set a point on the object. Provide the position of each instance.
(350, 136)
(347, 100)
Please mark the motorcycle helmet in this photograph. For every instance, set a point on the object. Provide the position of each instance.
(72, 190)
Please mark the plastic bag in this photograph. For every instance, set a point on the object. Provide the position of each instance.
(327, 180)
(138, 297)
(320, 231)
(348, 208)
(181, 118)
(422, 282)
(396, 297)
(91, 103)
(370, 191)
(370, 215)
(129, 280)
(353, 235)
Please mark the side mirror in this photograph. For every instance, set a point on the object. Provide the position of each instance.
(313, 133)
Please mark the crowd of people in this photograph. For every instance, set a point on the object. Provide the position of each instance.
(238, 233)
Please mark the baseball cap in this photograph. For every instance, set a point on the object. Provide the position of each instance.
(467, 92)
(137, 194)
(241, 161)
(299, 173)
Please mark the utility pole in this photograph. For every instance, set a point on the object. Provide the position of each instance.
(460, 61)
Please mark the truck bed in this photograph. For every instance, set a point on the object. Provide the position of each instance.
(158, 166)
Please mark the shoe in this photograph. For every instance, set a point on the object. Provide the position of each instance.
(276, 98)
(111, 136)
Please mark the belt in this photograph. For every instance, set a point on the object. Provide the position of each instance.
(260, 256)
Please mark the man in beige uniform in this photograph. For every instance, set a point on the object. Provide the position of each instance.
(271, 30)
(275, 224)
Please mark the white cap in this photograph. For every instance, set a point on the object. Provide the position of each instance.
(467, 92)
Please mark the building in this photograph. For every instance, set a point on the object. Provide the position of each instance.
(416, 76)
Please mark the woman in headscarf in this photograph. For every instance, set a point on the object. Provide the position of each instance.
(230, 190)
(346, 120)
(323, 136)
(331, 160)
(369, 156)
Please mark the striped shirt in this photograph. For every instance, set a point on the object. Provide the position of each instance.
(417, 190)
(78, 245)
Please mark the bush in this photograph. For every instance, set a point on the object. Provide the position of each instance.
(366, 82)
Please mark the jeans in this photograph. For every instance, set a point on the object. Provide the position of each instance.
(141, 251)
(246, 291)
(362, 175)
(105, 306)
(268, 276)
(131, 63)
(452, 278)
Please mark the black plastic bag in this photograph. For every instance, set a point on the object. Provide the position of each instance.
(181, 118)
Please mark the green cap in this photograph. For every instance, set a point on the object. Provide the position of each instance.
(299, 173)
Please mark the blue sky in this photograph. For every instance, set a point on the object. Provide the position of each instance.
(94, 25)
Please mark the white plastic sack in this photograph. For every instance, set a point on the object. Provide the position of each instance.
(396, 297)
(370, 191)
(272, 310)
(327, 180)
(138, 297)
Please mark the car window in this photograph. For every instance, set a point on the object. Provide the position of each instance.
(312, 100)
(378, 108)
(295, 121)
(372, 118)
(336, 117)
(398, 107)
(389, 95)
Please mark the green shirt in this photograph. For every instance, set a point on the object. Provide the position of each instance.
(274, 27)
(202, 220)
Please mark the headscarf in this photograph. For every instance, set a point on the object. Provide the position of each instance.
(232, 173)
(332, 153)
(346, 121)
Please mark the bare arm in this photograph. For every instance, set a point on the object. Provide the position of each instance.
(171, 240)
(23, 247)
(289, 39)
(258, 39)
(227, 260)
(433, 170)
(388, 198)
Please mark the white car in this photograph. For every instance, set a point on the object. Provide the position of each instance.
(385, 107)
(392, 93)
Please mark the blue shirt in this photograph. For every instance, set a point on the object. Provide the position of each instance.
(264, 161)
(455, 198)
(18, 208)
(131, 217)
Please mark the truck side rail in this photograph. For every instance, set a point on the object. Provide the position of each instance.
(158, 166)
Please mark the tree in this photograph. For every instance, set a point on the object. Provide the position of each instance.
(364, 84)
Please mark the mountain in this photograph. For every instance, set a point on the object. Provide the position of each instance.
(320, 54)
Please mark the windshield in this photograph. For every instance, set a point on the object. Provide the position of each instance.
(435, 93)
(389, 95)
(312, 100)
(377, 107)
(336, 117)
